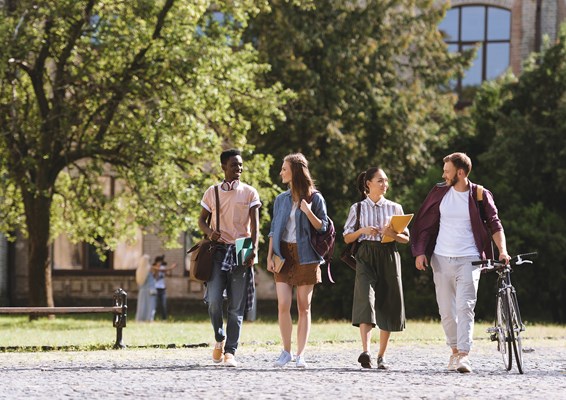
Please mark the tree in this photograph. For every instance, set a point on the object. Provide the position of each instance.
(521, 123)
(368, 78)
(144, 92)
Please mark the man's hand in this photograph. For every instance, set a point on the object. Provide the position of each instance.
(214, 235)
(249, 262)
(421, 262)
(504, 257)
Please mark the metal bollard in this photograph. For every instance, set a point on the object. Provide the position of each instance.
(120, 299)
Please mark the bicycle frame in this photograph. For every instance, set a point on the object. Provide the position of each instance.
(508, 322)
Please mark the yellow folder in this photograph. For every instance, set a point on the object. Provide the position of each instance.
(398, 223)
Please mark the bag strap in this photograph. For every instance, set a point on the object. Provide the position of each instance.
(358, 212)
(217, 208)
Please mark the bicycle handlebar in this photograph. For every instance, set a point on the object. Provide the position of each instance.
(517, 260)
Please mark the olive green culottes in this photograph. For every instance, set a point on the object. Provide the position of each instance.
(378, 291)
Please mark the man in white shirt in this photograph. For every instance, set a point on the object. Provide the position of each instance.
(449, 230)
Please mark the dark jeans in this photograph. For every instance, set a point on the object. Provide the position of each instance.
(162, 303)
(235, 283)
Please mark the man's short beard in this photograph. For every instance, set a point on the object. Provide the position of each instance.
(454, 181)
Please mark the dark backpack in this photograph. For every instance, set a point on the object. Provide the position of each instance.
(323, 243)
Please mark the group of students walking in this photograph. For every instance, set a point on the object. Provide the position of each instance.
(448, 231)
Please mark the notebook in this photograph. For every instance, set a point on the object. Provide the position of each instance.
(243, 249)
(398, 223)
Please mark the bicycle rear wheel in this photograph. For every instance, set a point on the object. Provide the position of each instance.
(503, 329)
(517, 327)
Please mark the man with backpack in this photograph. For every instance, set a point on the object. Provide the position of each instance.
(450, 232)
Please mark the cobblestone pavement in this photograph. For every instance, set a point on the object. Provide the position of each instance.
(417, 372)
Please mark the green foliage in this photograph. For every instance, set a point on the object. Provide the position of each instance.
(520, 125)
(140, 92)
(366, 77)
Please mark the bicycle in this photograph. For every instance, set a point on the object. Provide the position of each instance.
(508, 323)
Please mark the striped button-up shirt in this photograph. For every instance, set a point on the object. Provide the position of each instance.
(372, 214)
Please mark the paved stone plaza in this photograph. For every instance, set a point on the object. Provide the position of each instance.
(417, 372)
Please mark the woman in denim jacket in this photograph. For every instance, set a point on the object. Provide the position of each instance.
(294, 212)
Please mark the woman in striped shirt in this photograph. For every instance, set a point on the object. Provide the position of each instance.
(378, 291)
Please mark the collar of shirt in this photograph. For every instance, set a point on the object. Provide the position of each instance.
(371, 203)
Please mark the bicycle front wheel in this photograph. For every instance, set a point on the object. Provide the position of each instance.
(517, 327)
(503, 330)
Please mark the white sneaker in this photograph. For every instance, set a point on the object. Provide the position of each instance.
(230, 360)
(453, 362)
(381, 363)
(464, 364)
(283, 359)
(301, 363)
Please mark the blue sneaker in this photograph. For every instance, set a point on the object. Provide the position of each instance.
(283, 359)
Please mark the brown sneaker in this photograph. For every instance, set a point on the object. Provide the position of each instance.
(217, 352)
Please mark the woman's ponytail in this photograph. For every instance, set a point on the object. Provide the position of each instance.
(361, 185)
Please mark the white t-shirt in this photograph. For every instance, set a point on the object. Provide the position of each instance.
(455, 236)
(290, 232)
(160, 279)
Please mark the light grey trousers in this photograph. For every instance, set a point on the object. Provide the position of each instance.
(456, 281)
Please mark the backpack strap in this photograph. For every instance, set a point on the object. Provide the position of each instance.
(481, 207)
(479, 198)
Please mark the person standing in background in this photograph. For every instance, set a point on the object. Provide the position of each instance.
(160, 270)
(145, 310)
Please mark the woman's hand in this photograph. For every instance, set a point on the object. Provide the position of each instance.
(305, 207)
(270, 265)
(370, 230)
(388, 231)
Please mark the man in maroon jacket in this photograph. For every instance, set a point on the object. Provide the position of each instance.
(449, 232)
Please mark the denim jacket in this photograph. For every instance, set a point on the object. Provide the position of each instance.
(281, 211)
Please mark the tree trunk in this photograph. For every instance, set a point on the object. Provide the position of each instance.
(39, 268)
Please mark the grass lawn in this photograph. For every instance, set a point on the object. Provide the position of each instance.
(96, 332)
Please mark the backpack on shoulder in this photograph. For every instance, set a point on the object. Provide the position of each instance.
(323, 243)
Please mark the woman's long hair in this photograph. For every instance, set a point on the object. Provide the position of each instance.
(302, 184)
(362, 179)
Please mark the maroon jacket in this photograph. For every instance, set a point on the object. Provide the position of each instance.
(427, 222)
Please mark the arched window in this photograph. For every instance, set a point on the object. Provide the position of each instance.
(464, 27)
